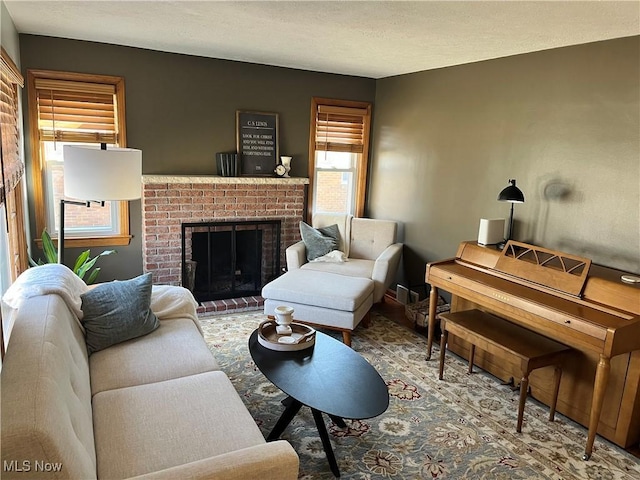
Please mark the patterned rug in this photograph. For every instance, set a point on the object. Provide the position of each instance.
(460, 428)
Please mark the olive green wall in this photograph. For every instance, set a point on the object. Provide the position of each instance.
(181, 109)
(564, 123)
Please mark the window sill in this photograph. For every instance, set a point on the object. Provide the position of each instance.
(110, 241)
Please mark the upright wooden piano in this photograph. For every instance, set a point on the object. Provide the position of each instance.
(566, 298)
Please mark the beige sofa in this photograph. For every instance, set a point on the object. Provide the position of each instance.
(155, 407)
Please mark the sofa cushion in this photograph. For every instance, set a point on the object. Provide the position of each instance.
(319, 241)
(117, 311)
(370, 237)
(322, 316)
(152, 427)
(320, 289)
(354, 267)
(175, 349)
(334, 256)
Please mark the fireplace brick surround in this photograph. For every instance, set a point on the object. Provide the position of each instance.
(169, 200)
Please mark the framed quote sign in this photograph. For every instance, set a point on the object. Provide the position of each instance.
(257, 142)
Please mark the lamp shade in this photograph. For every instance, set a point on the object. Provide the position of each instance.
(511, 194)
(91, 173)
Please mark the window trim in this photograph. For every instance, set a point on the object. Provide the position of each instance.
(363, 165)
(38, 167)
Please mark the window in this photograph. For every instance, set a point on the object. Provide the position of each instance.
(338, 155)
(12, 234)
(334, 174)
(74, 108)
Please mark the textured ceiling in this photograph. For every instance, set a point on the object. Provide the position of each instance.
(366, 38)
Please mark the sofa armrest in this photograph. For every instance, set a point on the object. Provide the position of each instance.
(385, 268)
(296, 255)
(268, 461)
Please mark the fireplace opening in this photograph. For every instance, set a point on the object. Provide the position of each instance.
(229, 259)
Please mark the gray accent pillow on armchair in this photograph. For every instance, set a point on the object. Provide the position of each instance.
(319, 241)
(118, 311)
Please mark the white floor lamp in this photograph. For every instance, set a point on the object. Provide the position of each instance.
(98, 174)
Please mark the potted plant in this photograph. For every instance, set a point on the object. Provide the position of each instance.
(83, 265)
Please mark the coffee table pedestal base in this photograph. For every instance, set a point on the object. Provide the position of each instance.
(292, 408)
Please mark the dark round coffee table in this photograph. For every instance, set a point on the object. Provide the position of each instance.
(328, 377)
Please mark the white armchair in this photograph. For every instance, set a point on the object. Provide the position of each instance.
(369, 244)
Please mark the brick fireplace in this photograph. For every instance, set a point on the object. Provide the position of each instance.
(169, 201)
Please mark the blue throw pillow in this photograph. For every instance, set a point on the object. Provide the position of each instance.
(319, 241)
(117, 311)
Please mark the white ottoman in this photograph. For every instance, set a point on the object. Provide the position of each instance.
(322, 299)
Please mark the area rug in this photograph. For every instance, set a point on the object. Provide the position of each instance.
(460, 428)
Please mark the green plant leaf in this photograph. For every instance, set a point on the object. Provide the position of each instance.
(50, 251)
(93, 275)
(82, 265)
(82, 271)
(82, 258)
(86, 266)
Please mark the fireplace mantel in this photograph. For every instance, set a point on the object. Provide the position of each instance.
(151, 179)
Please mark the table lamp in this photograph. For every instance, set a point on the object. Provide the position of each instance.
(96, 174)
(511, 194)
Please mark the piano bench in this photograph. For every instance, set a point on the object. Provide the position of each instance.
(508, 342)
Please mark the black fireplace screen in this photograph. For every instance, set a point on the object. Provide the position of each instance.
(229, 259)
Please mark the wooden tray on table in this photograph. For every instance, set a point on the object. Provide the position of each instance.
(301, 337)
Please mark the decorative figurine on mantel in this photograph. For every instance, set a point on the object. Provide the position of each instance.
(283, 169)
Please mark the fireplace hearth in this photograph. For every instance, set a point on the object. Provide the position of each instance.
(229, 259)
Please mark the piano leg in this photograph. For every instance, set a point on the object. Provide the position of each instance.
(431, 331)
(443, 350)
(524, 391)
(557, 375)
(602, 377)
